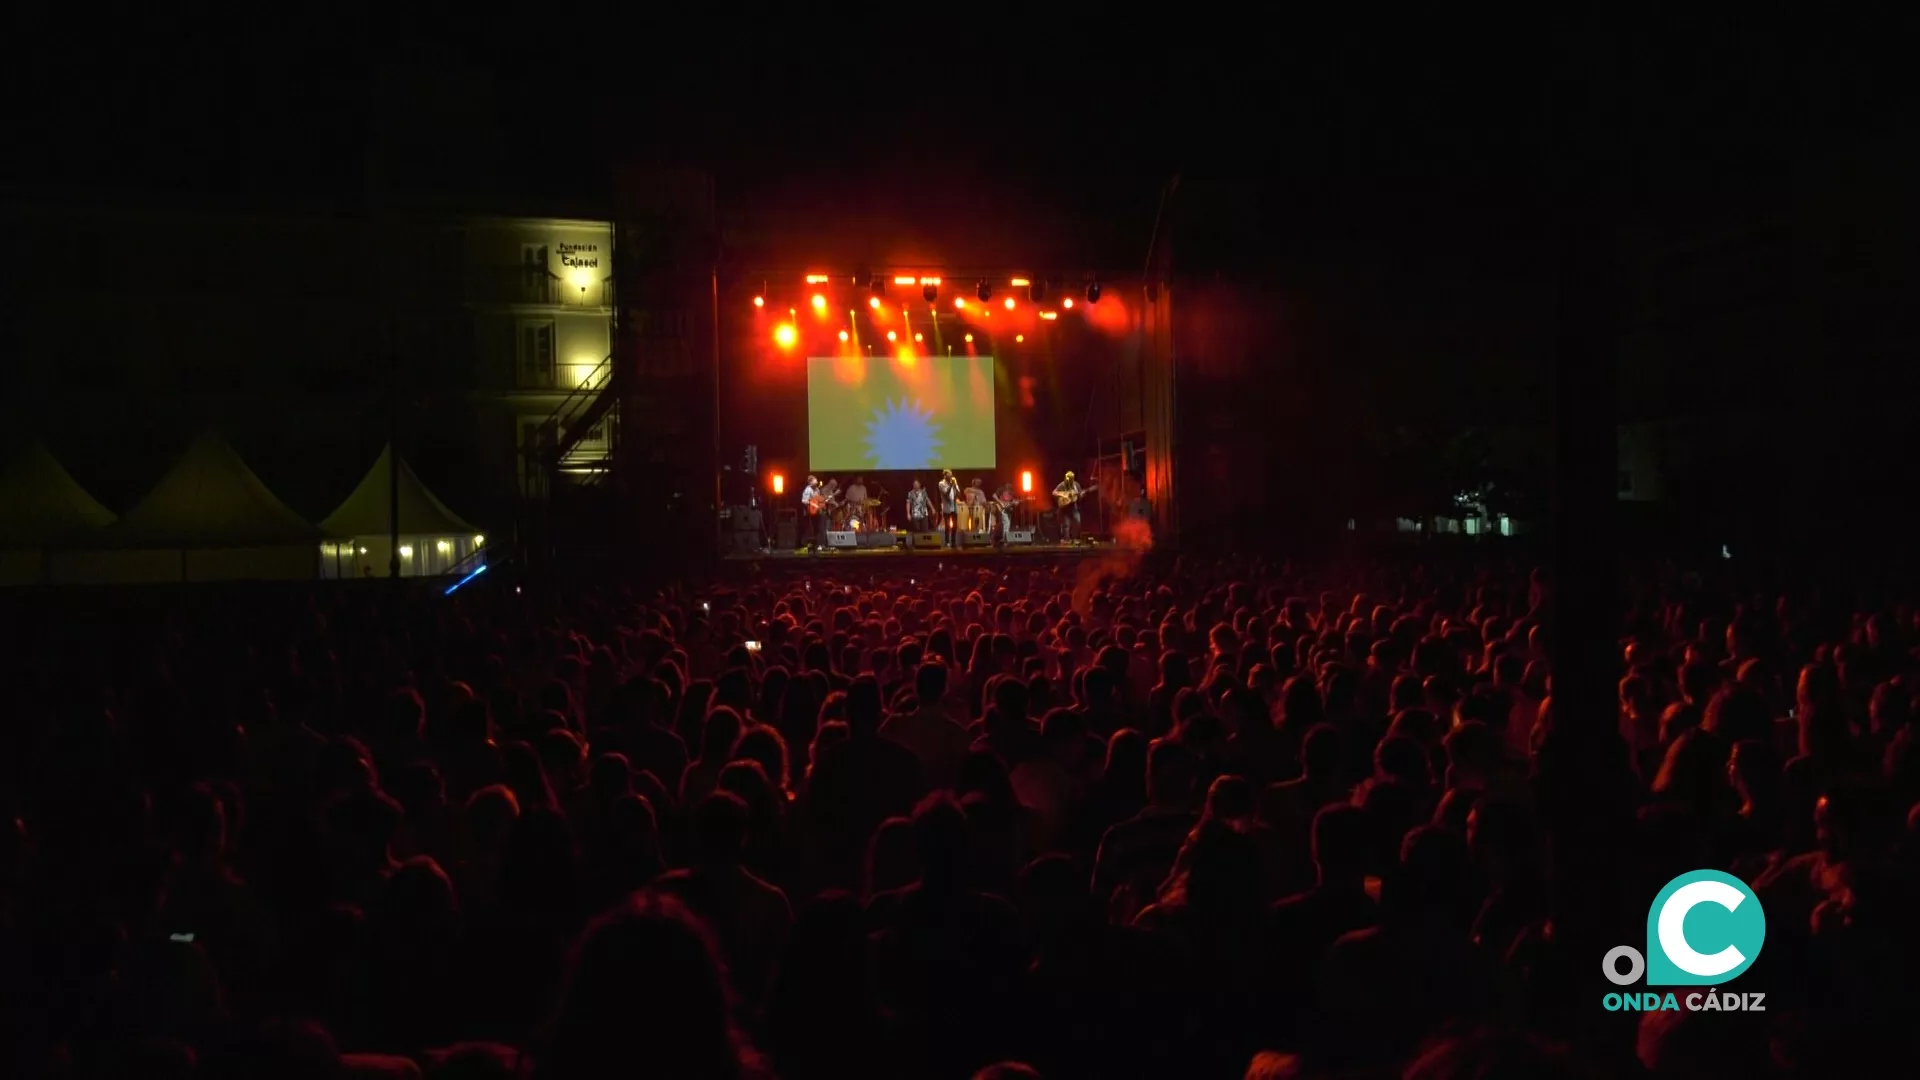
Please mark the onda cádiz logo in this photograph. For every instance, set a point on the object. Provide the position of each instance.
(1703, 929)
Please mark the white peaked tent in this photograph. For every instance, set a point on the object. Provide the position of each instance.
(433, 539)
(42, 507)
(210, 518)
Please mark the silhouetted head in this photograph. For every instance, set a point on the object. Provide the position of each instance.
(720, 826)
(645, 994)
(1342, 843)
(1172, 773)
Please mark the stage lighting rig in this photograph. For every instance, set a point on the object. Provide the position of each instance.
(984, 291)
(1093, 291)
(930, 292)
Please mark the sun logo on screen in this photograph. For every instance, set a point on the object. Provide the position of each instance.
(902, 435)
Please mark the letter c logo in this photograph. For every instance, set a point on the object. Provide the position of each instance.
(1724, 913)
(1673, 934)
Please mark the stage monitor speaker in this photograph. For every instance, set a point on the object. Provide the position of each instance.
(928, 541)
(874, 538)
(840, 539)
(1019, 536)
(788, 536)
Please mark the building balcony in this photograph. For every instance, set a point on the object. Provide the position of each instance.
(562, 378)
(516, 287)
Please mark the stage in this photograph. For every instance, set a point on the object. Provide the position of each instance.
(1011, 551)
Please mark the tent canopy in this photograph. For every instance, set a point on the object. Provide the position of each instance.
(42, 504)
(368, 511)
(210, 499)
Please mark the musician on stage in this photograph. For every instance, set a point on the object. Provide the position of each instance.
(975, 497)
(1067, 495)
(950, 507)
(919, 507)
(810, 511)
(817, 499)
(857, 502)
(1002, 504)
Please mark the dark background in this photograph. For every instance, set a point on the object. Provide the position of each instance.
(1366, 229)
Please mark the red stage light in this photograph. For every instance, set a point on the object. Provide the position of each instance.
(779, 484)
(1020, 283)
(759, 301)
(1067, 303)
(816, 279)
(819, 302)
(1026, 482)
(891, 336)
(906, 279)
(1009, 303)
(785, 335)
(1018, 338)
(917, 337)
(960, 303)
(873, 302)
(843, 335)
(1049, 314)
(969, 339)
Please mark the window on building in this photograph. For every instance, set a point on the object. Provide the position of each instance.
(536, 274)
(536, 354)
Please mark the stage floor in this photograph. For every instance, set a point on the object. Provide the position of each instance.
(1011, 551)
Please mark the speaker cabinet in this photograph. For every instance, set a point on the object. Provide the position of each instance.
(928, 541)
(787, 535)
(839, 539)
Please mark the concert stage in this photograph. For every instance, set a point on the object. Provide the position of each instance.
(1012, 551)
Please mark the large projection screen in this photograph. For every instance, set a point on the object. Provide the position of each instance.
(899, 412)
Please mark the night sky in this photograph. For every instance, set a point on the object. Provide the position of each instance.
(1387, 163)
(1317, 129)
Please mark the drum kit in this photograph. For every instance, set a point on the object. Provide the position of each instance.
(871, 514)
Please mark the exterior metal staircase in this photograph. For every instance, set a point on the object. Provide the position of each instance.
(568, 450)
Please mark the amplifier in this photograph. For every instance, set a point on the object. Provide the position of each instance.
(928, 541)
(1019, 536)
(846, 539)
(787, 537)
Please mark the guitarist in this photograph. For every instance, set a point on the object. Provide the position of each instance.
(1001, 506)
(818, 499)
(1067, 494)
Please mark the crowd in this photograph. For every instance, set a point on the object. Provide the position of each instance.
(1160, 818)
